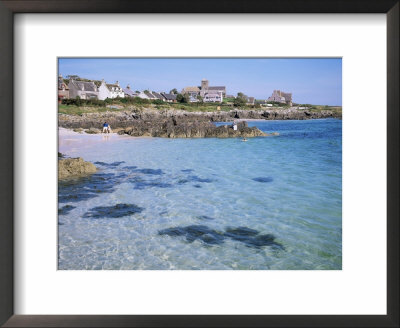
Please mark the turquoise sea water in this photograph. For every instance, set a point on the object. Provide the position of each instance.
(268, 203)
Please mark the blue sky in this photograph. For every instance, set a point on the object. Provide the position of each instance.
(313, 80)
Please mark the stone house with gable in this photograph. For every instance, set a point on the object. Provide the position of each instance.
(169, 97)
(206, 91)
(83, 89)
(63, 89)
(281, 97)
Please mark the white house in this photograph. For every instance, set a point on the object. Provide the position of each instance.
(142, 95)
(213, 97)
(110, 90)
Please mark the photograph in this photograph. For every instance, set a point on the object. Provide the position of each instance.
(199, 163)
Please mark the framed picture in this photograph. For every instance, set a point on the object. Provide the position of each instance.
(167, 164)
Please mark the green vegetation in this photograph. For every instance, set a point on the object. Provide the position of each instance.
(80, 106)
(229, 100)
(75, 110)
(240, 100)
(182, 98)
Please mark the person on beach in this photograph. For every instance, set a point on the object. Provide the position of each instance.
(109, 128)
(105, 127)
(234, 126)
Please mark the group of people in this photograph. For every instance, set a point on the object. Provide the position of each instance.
(106, 128)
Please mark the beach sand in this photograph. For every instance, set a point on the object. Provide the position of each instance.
(70, 141)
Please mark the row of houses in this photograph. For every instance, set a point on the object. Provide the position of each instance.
(101, 90)
(86, 89)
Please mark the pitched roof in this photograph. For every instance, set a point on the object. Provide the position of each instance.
(191, 89)
(129, 92)
(150, 95)
(84, 86)
(169, 96)
(157, 95)
(216, 88)
(109, 86)
(212, 94)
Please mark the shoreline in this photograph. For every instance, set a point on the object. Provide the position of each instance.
(183, 124)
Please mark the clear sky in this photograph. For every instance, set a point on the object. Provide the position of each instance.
(314, 81)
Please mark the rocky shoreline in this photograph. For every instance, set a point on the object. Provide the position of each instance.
(74, 167)
(184, 124)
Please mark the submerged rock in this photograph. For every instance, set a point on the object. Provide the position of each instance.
(70, 167)
(116, 211)
(263, 179)
(249, 237)
(65, 209)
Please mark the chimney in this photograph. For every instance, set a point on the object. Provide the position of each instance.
(117, 83)
(128, 87)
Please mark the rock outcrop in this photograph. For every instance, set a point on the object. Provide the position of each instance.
(171, 123)
(190, 129)
(129, 118)
(71, 167)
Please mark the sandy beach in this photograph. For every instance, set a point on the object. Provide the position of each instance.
(70, 142)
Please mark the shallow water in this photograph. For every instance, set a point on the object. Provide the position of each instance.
(268, 203)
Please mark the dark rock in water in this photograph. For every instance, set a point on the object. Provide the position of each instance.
(247, 236)
(116, 211)
(150, 171)
(205, 217)
(87, 187)
(263, 179)
(130, 167)
(65, 209)
(114, 164)
(195, 232)
(187, 170)
(172, 231)
(241, 231)
(251, 237)
(195, 178)
(148, 184)
(242, 234)
(75, 197)
(264, 240)
(197, 186)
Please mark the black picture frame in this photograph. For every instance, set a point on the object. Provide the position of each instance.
(10, 7)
